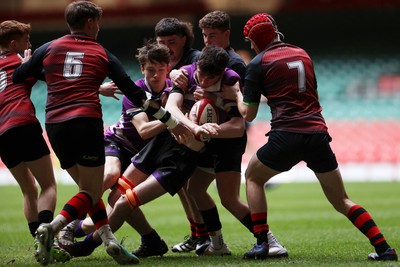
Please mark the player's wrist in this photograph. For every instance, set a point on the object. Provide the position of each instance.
(166, 117)
(148, 106)
(172, 122)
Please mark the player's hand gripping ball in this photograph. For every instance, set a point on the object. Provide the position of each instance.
(204, 111)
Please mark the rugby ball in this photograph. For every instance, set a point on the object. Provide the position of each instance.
(204, 111)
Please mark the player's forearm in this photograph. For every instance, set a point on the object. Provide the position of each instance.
(160, 113)
(233, 128)
(150, 129)
(177, 113)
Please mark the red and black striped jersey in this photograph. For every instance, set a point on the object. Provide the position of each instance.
(16, 107)
(284, 74)
(74, 70)
(74, 67)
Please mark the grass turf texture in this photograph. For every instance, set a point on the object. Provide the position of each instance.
(300, 217)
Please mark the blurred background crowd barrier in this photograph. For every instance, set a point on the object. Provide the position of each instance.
(355, 46)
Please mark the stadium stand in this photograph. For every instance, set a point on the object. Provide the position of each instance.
(354, 141)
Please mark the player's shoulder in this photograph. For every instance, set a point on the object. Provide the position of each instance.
(234, 58)
(230, 77)
(190, 56)
(9, 58)
(142, 84)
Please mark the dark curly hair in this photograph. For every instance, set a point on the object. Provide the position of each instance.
(216, 20)
(213, 60)
(173, 26)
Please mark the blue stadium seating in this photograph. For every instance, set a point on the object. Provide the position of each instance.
(347, 86)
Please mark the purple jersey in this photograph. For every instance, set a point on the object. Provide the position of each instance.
(16, 107)
(229, 78)
(284, 74)
(124, 132)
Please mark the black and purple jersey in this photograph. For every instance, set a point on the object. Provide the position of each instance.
(124, 132)
(229, 78)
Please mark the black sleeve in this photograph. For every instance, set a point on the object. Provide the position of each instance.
(119, 76)
(33, 67)
(253, 83)
(132, 112)
(237, 64)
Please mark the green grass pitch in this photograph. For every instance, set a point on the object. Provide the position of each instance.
(299, 215)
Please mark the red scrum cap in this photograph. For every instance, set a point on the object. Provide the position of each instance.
(261, 29)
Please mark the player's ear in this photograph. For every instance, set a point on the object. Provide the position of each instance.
(227, 33)
(91, 22)
(13, 45)
(184, 39)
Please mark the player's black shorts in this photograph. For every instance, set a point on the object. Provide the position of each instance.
(285, 149)
(224, 154)
(22, 143)
(78, 141)
(170, 163)
(114, 149)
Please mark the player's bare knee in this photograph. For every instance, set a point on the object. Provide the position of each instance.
(194, 192)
